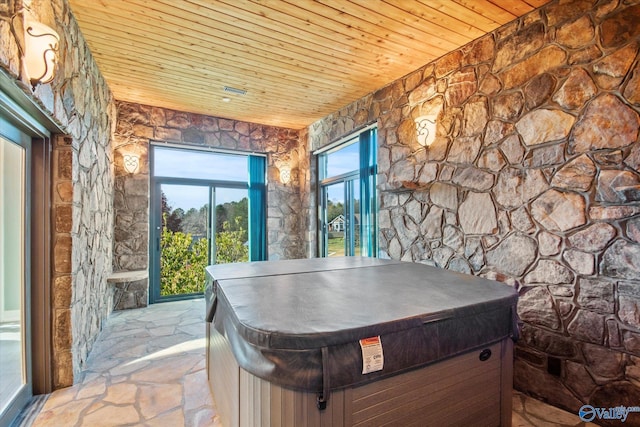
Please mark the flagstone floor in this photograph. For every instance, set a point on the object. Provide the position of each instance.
(147, 368)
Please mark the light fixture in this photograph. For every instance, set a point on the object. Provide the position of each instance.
(285, 174)
(426, 129)
(40, 51)
(131, 163)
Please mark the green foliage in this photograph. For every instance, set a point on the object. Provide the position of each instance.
(183, 258)
(234, 213)
(335, 246)
(230, 243)
(185, 246)
(182, 263)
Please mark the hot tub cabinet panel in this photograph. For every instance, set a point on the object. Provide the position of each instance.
(460, 391)
(285, 335)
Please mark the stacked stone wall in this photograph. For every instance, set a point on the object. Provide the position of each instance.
(62, 260)
(83, 103)
(532, 180)
(138, 125)
(80, 102)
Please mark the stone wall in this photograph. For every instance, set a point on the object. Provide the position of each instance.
(62, 260)
(82, 183)
(139, 124)
(307, 216)
(532, 180)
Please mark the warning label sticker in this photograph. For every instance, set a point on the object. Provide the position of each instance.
(372, 356)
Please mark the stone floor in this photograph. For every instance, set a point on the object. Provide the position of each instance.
(148, 369)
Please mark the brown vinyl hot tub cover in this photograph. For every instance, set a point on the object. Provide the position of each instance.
(298, 323)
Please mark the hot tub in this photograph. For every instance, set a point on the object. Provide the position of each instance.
(358, 341)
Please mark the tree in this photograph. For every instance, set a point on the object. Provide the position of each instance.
(195, 221)
(184, 258)
(182, 262)
(231, 243)
(230, 211)
(172, 219)
(185, 245)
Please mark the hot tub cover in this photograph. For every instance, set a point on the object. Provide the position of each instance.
(299, 323)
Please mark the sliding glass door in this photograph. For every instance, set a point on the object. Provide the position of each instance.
(206, 209)
(15, 382)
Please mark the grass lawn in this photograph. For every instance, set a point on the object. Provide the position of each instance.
(335, 246)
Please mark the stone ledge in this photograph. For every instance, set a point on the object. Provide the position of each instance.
(130, 289)
(127, 276)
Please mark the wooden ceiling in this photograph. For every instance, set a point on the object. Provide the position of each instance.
(297, 60)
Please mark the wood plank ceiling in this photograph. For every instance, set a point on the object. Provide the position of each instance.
(297, 60)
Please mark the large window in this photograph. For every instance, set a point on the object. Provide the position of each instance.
(347, 206)
(207, 208)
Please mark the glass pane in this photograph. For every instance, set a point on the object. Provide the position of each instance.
(180, 163)
(184, 244)
(341, 161)
(12, 237)
(232, 225)
(336, 221)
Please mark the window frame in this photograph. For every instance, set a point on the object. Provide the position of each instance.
(348, 179)
(256, 232)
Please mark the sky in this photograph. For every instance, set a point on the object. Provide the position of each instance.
(180, 163)
(187, 197)
(339, 162)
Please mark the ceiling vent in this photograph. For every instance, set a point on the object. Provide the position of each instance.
(235, 90)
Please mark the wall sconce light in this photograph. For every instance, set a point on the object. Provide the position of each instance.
(131, 163)
(426, 129)
(285, 174)
(40, 49)
(41, 52)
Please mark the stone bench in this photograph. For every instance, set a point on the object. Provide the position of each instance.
(130, 289)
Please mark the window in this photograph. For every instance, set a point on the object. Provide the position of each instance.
(347, 197)
(207, 208)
